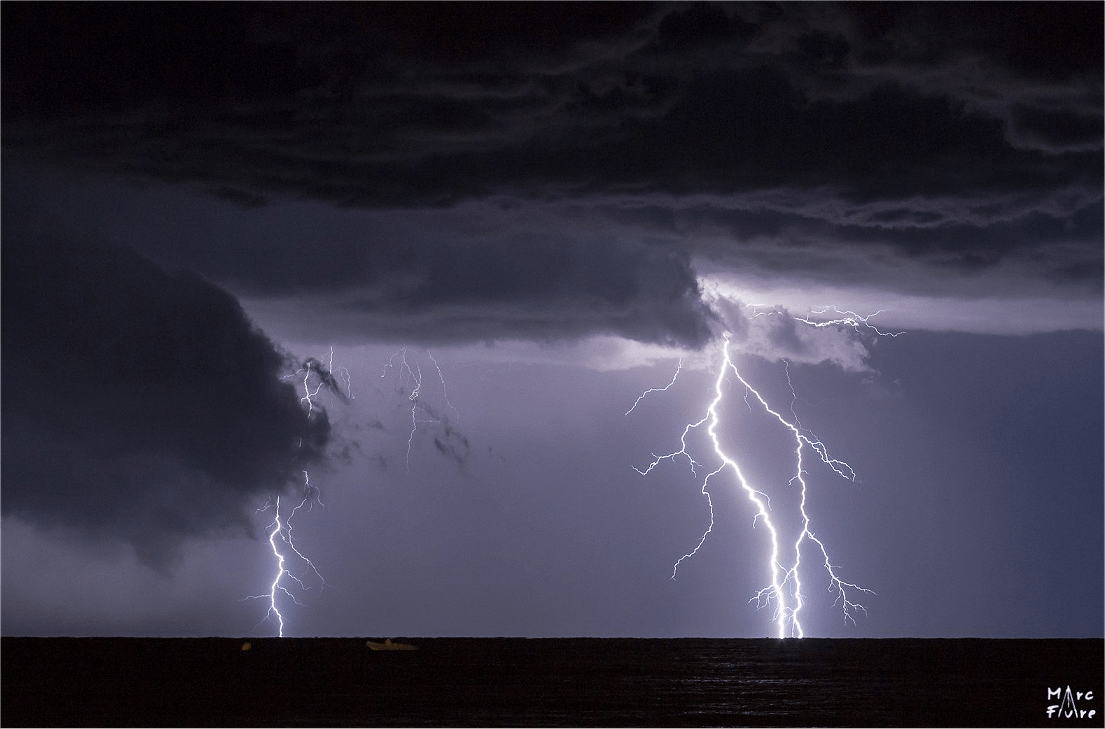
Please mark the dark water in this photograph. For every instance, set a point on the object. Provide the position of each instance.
(547, 682)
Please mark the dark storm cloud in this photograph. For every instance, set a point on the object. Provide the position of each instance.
(139, 405)
(957, 137)
(408, 104)
(545, 290)
(822, 236)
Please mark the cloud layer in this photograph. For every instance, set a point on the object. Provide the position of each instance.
(140, 406)
(621, 150)
(364, 106)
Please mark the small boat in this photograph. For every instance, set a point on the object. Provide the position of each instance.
(387, 645)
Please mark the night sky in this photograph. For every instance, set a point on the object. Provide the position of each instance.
(477, 233)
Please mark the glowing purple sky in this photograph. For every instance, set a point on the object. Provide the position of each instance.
(558, 203)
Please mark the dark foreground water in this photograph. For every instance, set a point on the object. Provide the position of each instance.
(549, 682)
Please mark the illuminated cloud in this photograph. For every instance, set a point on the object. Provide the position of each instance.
(544, 175)
(563, 201)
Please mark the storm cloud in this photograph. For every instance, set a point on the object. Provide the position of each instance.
(140, 405)
(910, 148)
(569, 205)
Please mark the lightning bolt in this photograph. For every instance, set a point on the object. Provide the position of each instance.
(414, 375)
(280, 532)
(785, 588)
(847, 318)
(325, 377)
(674, 377)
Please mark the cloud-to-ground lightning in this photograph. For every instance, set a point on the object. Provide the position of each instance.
(280, 531)
(785, 588)
(291, 567)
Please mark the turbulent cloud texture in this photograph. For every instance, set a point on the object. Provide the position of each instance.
(440, 173)
(140, 405)
(562, 201)
(902, 146)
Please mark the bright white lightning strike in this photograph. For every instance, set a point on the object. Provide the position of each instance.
(280, 532)
(847, 318)
(280, 539)
(785, 588)
(325, 377)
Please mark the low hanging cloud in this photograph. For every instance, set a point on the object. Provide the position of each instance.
(140, 406)
(565, 290)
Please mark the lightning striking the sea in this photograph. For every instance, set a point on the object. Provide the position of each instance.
(293, 571)
(785, 589)
(280, 531)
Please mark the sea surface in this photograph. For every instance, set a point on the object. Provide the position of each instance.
(591, 682)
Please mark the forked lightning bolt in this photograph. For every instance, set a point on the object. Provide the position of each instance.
(847, 318)
(325, 379)
(280, 532)
(785, 588)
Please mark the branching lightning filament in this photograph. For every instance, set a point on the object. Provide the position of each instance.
(283, 548)
(784, 591)
(280, 531)
(413, 373)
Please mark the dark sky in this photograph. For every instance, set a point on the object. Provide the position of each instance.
(417, 261)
